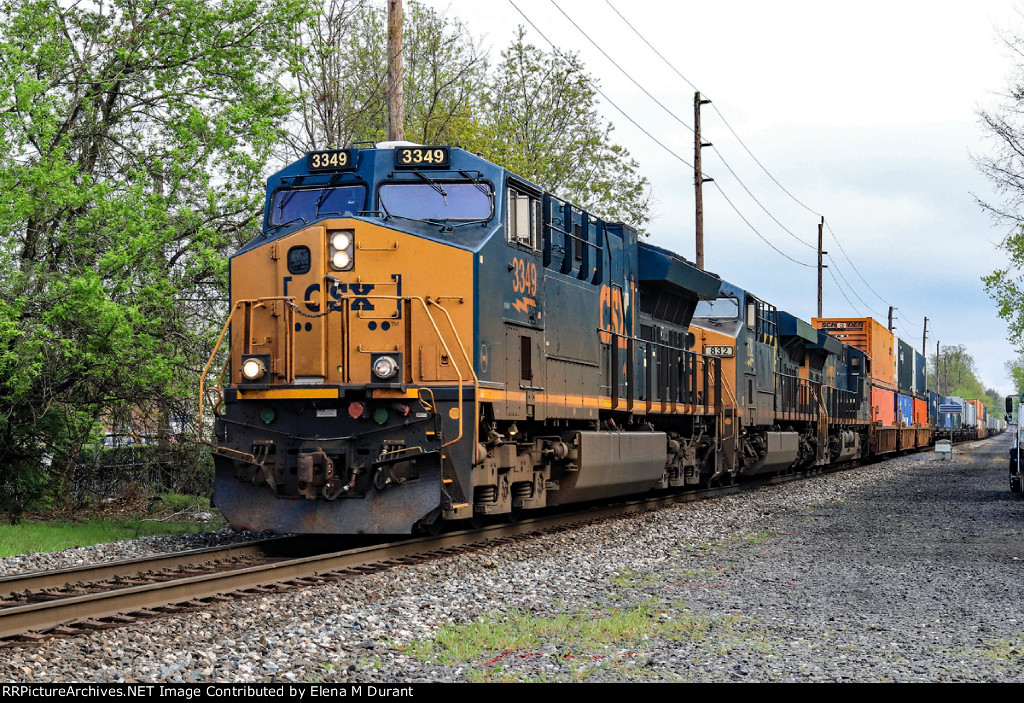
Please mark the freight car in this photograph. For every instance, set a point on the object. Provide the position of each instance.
(419, 336)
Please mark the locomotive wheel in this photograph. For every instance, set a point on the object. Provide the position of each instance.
(514, 516)
(432, 527)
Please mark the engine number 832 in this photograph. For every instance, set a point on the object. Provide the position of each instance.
(718, 351)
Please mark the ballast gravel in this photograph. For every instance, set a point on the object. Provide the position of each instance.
(906, 570)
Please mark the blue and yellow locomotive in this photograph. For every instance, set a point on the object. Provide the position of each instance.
(420, 336)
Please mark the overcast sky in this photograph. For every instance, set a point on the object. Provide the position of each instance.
(866, 113)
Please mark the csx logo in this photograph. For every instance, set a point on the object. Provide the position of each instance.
(336, 291)
(311, 297)
(613, 315)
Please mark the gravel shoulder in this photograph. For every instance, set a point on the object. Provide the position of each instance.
(901, 571)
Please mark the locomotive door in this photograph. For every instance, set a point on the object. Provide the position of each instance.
(762, 400)
(524, 376)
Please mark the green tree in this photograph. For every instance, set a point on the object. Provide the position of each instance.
(540, 119)
(1015, 370)
(133, 135)
(1003, 165)
(954, 373)
(535, 114)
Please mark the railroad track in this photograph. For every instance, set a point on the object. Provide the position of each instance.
(70, 602)
(75, 601)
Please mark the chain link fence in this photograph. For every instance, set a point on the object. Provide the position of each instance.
(110, 470)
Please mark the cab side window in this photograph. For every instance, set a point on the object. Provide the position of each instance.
(522, 221)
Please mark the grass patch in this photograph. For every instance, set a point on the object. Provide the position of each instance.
(28, 537)
(128, 517)
(633, 579)
(582, 642)
(758, 537)
(1002, 651)
(176, 502)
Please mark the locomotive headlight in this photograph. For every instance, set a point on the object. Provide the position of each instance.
(341, 259)
(384, 367)
(342, 249)
(253, 368)
(341, 240)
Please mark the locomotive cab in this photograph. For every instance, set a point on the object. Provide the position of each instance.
(350, 377)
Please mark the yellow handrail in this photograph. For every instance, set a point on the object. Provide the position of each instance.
(732, 397)
(425, 302)
(216, 347)
(469, 362)
(440, 337)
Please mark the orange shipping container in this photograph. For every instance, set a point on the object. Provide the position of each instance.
(920, 412)
(883, 406)
(873, 338)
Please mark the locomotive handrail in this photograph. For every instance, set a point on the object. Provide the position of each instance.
(426, 303)
(216, 347)
(820, 398)
(732, 396)
(822, 426)
(469, 362)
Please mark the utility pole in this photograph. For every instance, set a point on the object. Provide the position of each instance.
(396, 115)
(821, 227)
(938, 370)
(924, 338)
(698, 176)
(891, 308)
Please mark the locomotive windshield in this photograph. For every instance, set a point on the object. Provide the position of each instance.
(438, 201)
(720, 307)
(313, 203)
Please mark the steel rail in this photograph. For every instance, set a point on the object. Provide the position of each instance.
(57, 578)
(87, 609)
(196, 591)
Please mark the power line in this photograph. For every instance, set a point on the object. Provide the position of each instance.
(597, 89)
(715, 108)
(621, 69)
(747, 149)
(651, 136)
(679, 120)
(754, 229)
(840, 289)
(836, 240)
(852, 289)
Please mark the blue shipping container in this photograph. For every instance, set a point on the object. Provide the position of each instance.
(905, 409)
(920, 374)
